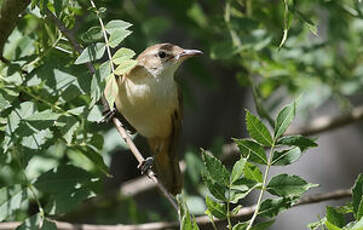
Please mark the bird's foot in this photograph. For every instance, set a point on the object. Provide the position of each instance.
(145, 165)
(108, 115)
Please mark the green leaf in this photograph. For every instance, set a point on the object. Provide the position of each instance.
(46, 115)
(302, 142)
(117, 36)
(236, 209)
(95, 114)
(70, 199)
(187, 221)
(11, 198)
(93, 154)
(125, 67)
(286, 24)
(218, 210)
(272, 207)
(24, 110)
(317, 224)
(68, 126)
(240, 226)
(121, 55)
(331, 226)
(284, 119)
(68, 186)
(111, 90)
(360, 209)
(37, 222)
(357, 196)
(236, 195)
(4, 103)
(312, 27)
(116, 25)
(358, 225)
(257, 130)
(252, 172)
(34, 138)
(288, 186)
(286, 157)
(334, 217)
(252, 150)
(215, 168)
(218, 191)
(97, 82)
(237, 170)
(263, 225)
(91, 53)
(93, 34)
(243, 184)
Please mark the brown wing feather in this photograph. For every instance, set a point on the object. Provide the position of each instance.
(166, 161)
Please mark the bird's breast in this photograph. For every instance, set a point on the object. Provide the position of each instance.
(147, 103)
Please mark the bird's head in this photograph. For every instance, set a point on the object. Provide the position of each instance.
(165, 58)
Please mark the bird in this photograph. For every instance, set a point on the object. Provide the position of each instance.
(150, 99)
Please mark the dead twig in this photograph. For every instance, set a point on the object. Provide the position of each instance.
(123, 133)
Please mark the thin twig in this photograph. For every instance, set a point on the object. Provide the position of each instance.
(202, 221)
(69, 35)
(140, 159)
(116, 122)
(9, 16)
(318, 125)
(104, 36)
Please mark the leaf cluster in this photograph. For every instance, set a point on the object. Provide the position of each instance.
(50, 144)
(228, 188)
(335, 218)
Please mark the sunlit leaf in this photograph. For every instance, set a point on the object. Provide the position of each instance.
(257, 130)
(284, 119)
(251, 150)
(116, 25)
(125, 67)
(288, 186)
(216, 170)
(117, 36)
(91, 53)
(121, 55)
(11, 199)
(286, 157)
(218, 210)
(237, 170)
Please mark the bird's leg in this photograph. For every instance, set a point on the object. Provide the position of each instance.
(145, 165)
(107, 116)
(107, 112)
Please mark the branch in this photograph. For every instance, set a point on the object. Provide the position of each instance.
(202, 221)
(123, 133)
(326, 123)
(321, 124)
(9, 16)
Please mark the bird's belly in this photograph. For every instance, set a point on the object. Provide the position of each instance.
(148, 108)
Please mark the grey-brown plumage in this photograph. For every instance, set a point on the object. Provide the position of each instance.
(150, 100)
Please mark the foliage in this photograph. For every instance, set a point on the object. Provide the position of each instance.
(48, 112)
(53, 155)
(335, 217)
(227, 188)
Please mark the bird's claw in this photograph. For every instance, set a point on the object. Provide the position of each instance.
(108, 116)
(145, 165)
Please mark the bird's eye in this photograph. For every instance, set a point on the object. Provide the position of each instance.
(162, 54)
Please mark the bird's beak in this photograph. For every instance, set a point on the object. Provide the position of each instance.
(190, 53)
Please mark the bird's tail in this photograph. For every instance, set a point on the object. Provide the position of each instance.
(166, 164)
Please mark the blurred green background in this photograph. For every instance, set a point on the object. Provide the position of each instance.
(243, 67)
